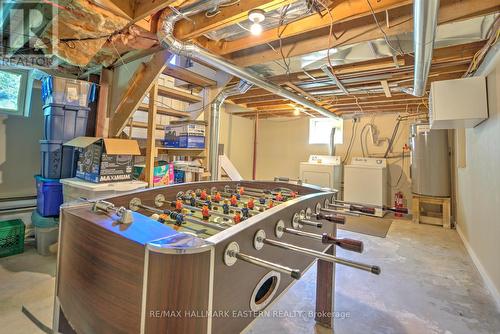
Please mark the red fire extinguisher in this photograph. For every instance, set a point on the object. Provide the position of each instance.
(398, 203)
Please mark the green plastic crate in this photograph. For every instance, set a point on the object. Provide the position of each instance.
(11, 237)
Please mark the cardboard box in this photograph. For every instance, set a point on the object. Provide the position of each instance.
(105, 159)
(163, 173)
(185, 135)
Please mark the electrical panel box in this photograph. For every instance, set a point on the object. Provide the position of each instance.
(458, 103)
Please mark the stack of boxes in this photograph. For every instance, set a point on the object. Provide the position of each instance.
(185, 134)
(65, 112)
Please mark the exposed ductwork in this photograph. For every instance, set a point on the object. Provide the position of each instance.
(166, 37)
(215, 107)
(425, 13)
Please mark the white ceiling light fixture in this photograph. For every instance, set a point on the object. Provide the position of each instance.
(256, 16)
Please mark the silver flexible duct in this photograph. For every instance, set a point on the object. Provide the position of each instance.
(425, 14)
(215, 107)
(166, 37)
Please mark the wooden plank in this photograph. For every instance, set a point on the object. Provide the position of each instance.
(151, 137)
(145, 8)
(362, 30)
(101, 128)
(144, 125)
(177, 94)
(123, 8)
(160, 110)
(189, 76)
(200, 24)
(340, 12)
(141, 83)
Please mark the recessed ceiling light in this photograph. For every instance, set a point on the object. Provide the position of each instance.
(256, 15)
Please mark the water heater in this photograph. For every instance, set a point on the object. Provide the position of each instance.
(430, 161)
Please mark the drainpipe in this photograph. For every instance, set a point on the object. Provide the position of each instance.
(214, 140)
(166, 37)
(425, 14)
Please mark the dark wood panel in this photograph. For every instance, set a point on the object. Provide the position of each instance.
(178, 283)
(99, 275)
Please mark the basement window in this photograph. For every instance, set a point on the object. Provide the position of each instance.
(321, 128)
(15, 92)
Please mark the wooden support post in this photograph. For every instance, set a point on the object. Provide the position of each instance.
(151, 137)
(325, 292)
(255, 134)
(102, 117)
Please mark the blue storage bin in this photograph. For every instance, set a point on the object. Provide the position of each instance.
(68, 91)
(57, 161)
(64, 122)
(49, 196)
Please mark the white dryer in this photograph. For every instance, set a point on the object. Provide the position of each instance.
(323, 171)
(365, 181)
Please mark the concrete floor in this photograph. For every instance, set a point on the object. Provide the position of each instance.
(428, 285)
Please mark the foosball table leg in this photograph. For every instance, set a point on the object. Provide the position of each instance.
(325, 292)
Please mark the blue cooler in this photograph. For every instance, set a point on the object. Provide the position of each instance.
(49, 196)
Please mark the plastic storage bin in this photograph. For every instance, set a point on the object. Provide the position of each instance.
(49, 196)
(68, 91)
(64, 122)
(46, 232)
(11, 237)
(75, 189)
(57, 161)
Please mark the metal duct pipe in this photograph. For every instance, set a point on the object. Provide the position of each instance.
(166, 37)
(215, 108)
(425, 13)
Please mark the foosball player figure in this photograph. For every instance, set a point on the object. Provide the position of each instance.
(205, 213)
(262, 200)
(241, 190)
(293, 194)
(245, 212)
(234, 201)
(250, 204)
(192, 200)
(279, 197)
(225, 207)
(203, 195)
(238, 196)
(237, 217)
(271, 203)
(217, 197)
(208, 202)
(178, 205)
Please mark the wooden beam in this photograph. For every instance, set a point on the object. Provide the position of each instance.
(165, 111)
(385, 87)
(101, 127)
(138, 87)
(177, 94)
(123, 8)
(145, 8)
(151, 137)
(200, 24)
(362, 30)
(188, 76)
(340, 12)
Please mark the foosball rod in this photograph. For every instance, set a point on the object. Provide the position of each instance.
(194, 208)
(341, 212)
(260, 191)
(186, 218)
(345, 243)
(382, 207)
(260, 239)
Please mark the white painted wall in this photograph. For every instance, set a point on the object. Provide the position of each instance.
(478, 190)
(283, 144)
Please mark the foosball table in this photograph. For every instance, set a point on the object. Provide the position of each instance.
(205, 257)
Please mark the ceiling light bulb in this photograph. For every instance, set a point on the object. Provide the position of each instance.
(296, 112)
(256, 29)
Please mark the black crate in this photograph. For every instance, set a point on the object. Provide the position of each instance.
(64, 122)
(57, 161)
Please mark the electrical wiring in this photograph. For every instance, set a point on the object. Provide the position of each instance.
(492, 38)
(216, 11)
(352, 139)
(386, 38)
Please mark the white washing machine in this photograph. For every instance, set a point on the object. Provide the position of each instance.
(323, 171)
(365, 181)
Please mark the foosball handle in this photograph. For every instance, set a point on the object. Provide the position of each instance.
(332, 218)
(345, 243)
(399, 210)
(365, 209)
